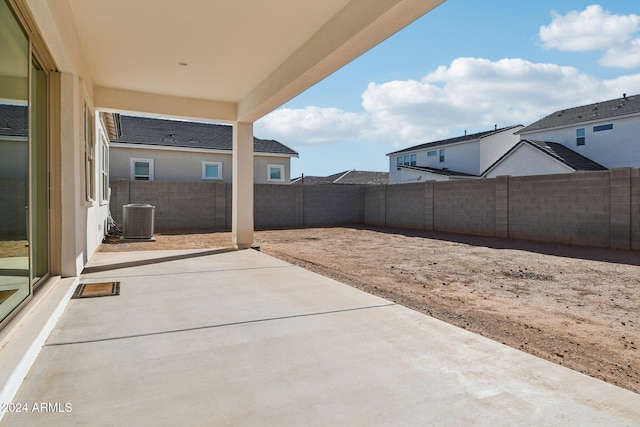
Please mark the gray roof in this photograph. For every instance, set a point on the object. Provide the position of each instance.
(464, 138)
(14, 120)
(574, 160)
(446, 172)
(173, 133)
(346, 177)
(587, 113)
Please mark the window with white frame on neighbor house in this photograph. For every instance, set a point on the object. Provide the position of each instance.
(211, 170)
(441, 156)
(142, 169)
(275, 173)
(580, 136)
(431, 153)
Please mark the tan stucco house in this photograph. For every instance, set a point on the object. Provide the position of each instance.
(152, 149)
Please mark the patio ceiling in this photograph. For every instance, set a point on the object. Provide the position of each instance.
(244, 58)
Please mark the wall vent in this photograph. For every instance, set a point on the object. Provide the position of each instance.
(138, 221)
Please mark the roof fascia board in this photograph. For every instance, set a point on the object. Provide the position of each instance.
(358, 27)
(136, 146)
(127, 101)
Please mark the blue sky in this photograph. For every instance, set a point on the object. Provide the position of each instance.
(467, 65)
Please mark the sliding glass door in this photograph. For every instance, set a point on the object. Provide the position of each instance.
(24, 165)
(14, 163)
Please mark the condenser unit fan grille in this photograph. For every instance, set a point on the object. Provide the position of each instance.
(138, 221)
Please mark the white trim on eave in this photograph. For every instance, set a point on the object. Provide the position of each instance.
(192, 150)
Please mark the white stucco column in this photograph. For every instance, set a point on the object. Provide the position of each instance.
(242, 205)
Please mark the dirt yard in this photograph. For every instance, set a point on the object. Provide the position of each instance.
(578, 307)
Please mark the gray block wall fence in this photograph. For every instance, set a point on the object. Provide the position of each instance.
(207, 205)
(600, 209)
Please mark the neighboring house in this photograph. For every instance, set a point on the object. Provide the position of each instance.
(346, 177)
(463, 157)
(605, 132)
(169, 150)
(530, 157)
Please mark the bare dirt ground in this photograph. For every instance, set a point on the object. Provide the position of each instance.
(578, 307)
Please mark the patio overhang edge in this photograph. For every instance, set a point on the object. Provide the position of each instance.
(133, 102)
(360, 26)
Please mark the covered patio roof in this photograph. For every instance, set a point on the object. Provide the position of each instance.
(231, 61)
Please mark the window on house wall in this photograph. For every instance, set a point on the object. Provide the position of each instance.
(603, 127)
(409, 160)
(104, 169)
(211, 170)
(431, 153)
(580, 136)
(89, 156)
(142, 170)
(441, 156)
(275, 173)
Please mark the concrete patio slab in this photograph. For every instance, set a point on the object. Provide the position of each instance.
(240, 338)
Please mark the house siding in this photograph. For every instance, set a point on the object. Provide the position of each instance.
(495, 146)
(186, 166)
(526, 160)
(613, 148)
(471, 157)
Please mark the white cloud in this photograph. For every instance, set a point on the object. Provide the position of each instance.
(471, 93)
(596, 29)
(311, 125)
(626, 56)
(591, 29)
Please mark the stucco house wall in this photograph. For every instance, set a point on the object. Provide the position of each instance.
(618, 147)
(526, 160)
(185, 165)
(494, 146)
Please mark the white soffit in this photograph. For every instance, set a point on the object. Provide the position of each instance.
(253, 55)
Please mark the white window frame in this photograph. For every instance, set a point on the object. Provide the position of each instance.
(89, 156)
(204, 170)
(104, 169)
(132, 165)
(274, 166)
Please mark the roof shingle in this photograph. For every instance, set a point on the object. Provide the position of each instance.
(458, 139)
(173, 133)
(587, 113)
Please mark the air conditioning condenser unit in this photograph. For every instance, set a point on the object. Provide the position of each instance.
(138, 221)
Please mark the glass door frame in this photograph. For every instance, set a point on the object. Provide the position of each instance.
(38, 53)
